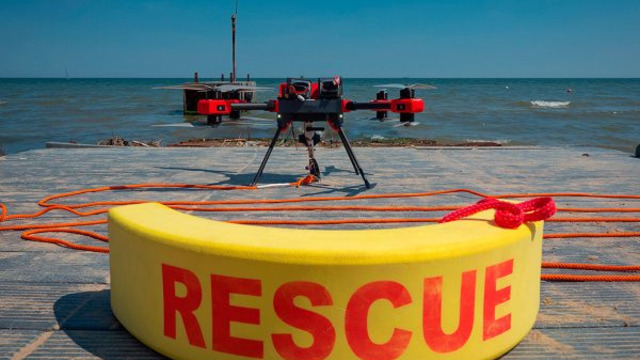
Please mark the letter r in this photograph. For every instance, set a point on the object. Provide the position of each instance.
(184, 305)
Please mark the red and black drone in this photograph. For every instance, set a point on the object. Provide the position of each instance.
(306, 101)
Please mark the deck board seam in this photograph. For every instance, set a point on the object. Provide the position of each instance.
(29, 348)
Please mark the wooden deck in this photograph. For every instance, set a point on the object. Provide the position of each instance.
(54, 302)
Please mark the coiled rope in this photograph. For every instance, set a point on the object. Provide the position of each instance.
(532, 210)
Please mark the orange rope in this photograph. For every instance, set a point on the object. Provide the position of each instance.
(30, 230)
(29, 235)
(584, 278)
(595, 267)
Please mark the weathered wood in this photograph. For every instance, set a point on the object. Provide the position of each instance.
(51, 306)
(55, 267)
(12, 341)
(54, 302)
(81, 344)
(579, 343)
(590, 343)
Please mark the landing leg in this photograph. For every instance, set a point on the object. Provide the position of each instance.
(349, 153)
(310, 139)
(336, 126)
(266, 157)
(214, 120)
(352, 156)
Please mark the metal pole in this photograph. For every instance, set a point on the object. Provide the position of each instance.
(233, 45)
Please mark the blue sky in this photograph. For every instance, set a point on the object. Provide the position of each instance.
(455, 38)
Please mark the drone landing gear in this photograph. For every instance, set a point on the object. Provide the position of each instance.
(310, 140)
(266, 156)
(214, 120)
(352, 156)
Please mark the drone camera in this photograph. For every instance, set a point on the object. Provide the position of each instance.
(329, 88)
(298, 87)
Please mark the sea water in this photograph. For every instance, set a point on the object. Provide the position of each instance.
(548, 112)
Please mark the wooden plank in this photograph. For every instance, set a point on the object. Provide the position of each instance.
(580, 343)
(583, 344)
(49, 306)
(93, 345)
(63, 267)
(12, 341)
(568, 305)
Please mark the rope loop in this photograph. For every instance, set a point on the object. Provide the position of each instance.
(508, 215)
(3, 212)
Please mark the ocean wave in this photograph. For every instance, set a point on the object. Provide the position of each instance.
(549, 104)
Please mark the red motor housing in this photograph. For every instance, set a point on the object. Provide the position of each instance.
(215, 106)
(412, 105)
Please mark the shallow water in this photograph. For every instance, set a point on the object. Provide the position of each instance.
(597, 112)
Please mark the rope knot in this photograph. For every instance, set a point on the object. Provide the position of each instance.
(508, 215)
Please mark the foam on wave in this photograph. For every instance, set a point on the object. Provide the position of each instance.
(550, 104)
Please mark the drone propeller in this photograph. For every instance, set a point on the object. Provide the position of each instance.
(208, 87)
(182, 124)
(190, 86)
(407, 123)
(241, 88)
(407, 86)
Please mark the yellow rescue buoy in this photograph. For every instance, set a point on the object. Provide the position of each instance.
(193, 288)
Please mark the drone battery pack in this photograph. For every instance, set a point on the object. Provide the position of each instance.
(412, 105)
(214, 107)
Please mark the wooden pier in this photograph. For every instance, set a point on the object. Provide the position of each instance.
(54, 302)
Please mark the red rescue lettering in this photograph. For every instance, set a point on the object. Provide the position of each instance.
(357, 327)
(182, 294)
(323, 332)
(493, 297)
(223, 313)
(184, 305)
(437, 340)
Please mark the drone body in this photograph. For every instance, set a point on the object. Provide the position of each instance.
(305, 101)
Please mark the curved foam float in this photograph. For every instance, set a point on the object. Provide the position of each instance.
(193, 288)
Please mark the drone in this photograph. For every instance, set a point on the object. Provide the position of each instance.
(306, 101)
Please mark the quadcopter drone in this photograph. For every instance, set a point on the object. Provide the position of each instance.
(306, 101)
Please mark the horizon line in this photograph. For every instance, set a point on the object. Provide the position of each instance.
(315, 77)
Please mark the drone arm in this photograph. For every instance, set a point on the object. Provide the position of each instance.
(410, 105)
(374, 105)
(225, 106)
(251, 106)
